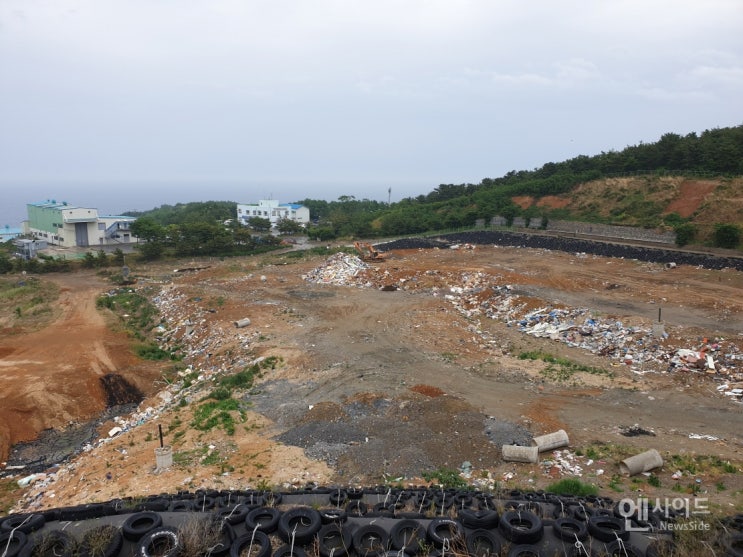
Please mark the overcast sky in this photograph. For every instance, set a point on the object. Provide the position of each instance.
(319, 98)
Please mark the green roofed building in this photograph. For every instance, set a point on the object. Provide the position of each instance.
(65, 225)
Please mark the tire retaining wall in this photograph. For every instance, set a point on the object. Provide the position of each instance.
(342, 522)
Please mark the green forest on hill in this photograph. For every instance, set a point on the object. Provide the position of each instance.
(630, 187)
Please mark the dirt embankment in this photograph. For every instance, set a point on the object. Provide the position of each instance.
(378, 384)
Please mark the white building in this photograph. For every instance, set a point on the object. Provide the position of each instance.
(61, 224)
(274, 211)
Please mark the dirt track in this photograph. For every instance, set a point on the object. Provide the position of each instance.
(362, 370)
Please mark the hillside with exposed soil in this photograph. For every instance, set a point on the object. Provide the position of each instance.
(639, 200)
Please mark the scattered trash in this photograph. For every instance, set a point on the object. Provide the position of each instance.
(634, 431)
(707, 437)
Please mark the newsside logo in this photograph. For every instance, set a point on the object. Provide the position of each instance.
(645, 514)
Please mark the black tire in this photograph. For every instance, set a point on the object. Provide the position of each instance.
(204, 503)
(370, 540)
(660, 548)
(478, 519)
(54, 543)
(249, 540)
(288, 551)
(581, 513)
(11, 543)
(25, 523)
(102, 541)
(334, 539)
(482, 543)
(86, 512)
(607, 528)
(521, 527)
(621, 549)
(299, 525)
(138, 524)
(155, 505)
(266, 519)
(525, 550)
(356, 507)
(227, 536)
(233, 514)
(272, 498)
(570, 529)
(338, 498)
(181, 506)
(355, 493)
(406, 534)
(333, 516)
(162, 541)
(733, 545)
(443, 530)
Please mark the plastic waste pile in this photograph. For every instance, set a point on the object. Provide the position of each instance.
(480, 294)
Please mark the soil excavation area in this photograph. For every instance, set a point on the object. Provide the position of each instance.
(385, 371)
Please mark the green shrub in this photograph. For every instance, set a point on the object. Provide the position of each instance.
(571, 486)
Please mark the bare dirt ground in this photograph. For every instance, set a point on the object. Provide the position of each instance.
(379, 385)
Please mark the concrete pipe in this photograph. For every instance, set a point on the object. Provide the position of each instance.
(515, 453)
(242, 323)
(163, 457)
(643, 462)
(551, 441)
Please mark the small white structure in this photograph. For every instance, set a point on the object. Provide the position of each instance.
(65, 225)
(274, 211)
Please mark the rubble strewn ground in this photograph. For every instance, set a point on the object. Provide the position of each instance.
(432, 359)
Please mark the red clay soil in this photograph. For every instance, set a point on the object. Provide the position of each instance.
(53, 377)
(692, 194)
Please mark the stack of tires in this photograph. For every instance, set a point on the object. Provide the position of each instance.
(338, 522)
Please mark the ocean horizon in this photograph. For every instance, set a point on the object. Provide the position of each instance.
(115, 198)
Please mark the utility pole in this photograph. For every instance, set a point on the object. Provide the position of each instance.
(389, 195)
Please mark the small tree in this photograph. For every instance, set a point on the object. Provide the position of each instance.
(89, 260)
(259, 224)
(288, 226)
(726, 236)
(685, 234)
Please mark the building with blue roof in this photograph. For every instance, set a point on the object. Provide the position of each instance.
(8, 233)
(274, 211)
